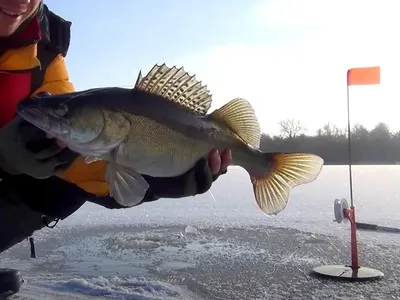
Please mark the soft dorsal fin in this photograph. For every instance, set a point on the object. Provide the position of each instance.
(177, 86)
(239, 116)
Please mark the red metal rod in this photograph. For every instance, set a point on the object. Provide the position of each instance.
(351, 215)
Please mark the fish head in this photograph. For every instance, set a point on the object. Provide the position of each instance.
(64, 117)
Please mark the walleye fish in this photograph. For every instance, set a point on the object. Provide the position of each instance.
(161, 128)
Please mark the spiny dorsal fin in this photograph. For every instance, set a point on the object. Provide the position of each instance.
(139, 78)
(177, 86)
(239, 115)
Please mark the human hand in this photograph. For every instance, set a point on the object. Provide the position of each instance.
(59, 143)
(197, 180)
(24, 149)
(219, 162)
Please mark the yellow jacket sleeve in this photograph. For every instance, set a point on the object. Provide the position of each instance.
(90, 177)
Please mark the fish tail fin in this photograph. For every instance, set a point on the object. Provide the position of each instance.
(126, 186)
(240, 117)
(286, 171)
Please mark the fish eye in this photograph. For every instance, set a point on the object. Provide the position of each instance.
(62, 110)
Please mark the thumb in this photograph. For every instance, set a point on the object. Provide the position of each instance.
(203, 176)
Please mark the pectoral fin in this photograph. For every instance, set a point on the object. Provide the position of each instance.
(127, 187)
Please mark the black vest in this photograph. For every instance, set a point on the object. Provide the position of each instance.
(56, 37)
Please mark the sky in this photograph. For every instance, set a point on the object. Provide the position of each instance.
(288, 58)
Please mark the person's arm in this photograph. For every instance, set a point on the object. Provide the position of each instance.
(27, 150)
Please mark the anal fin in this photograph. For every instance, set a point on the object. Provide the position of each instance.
(127, 187)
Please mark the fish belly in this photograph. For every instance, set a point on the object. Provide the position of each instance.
(154, 149)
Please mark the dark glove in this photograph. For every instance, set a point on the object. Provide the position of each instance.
(24, 149)
(197, 180)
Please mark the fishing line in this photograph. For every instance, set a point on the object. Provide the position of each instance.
(213, 208)
(212, 196)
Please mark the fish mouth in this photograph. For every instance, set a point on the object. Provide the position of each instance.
(49, 122)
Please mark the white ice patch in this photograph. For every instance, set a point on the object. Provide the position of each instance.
(43, 287)
(121, 288)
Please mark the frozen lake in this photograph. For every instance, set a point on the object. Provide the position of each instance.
(218, 245)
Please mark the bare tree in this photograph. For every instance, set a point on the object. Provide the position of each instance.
(330, 130)
(291, 128)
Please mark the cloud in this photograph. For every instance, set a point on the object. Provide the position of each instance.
(306, 78)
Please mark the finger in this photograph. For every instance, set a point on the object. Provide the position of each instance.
(50, 167)
(45, 169)
(67, 155)
(61, 168)
(64, 156)
(226, 159)
(202, 176)
(48, 152)
(40, 145)
(61, 144)
(27, 133)
(214, 161)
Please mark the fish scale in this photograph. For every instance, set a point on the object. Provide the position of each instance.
(158, 150)
(161, 128)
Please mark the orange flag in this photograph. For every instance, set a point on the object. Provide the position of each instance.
(364, 76)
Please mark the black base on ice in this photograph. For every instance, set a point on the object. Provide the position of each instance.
(347, 273)
(10, 282)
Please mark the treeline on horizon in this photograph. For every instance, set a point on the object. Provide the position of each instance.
(379, 146)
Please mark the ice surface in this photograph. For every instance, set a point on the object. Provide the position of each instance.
(105, 288)
(222, 248)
